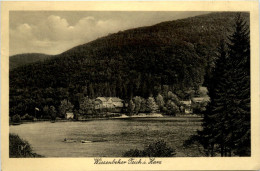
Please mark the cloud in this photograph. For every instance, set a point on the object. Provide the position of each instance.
(22, 31)
(24, 28)
(55, 35)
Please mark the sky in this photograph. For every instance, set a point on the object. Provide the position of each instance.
(53, 32)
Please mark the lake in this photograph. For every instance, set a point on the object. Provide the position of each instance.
(108, 138)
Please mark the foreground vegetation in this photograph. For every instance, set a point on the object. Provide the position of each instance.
(156, 149)
(19, 148)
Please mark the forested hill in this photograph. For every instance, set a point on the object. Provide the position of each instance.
(141, 61)
(27, 58)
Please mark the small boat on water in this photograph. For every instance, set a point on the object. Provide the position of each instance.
(69, 140)
(85, 141)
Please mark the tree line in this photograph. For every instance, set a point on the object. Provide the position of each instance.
(167, 103)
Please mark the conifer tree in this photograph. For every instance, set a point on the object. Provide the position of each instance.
(131, 106)
(214, 118)
(137, 103)
(239, 58)
(160, 101)
(151, 105)
(226, 123)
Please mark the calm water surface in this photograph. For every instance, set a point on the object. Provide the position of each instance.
(110, 138)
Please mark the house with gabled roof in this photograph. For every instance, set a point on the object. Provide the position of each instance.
(113, 103)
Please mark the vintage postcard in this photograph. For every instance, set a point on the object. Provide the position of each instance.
(130, 85)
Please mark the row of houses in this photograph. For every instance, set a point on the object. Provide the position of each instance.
(116, 104)
(108, 102)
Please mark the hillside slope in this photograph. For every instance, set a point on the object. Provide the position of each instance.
(28, 58)
(171, 55)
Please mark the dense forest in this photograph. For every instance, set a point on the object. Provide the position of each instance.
(170, 56)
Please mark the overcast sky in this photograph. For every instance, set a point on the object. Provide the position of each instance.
(54, 32)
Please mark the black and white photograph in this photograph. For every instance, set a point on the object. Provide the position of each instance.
(129, 84)
(121, 87)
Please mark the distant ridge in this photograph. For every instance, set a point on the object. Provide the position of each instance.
(26, 58)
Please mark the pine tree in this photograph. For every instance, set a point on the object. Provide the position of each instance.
(239, 56)
(212, 122)
(151, 105)
(137, 102)
(226, 123)
(131, 107)
(160, 101)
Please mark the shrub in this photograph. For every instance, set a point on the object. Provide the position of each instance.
(16, 118)
(53, 113)
(156, 149)
(199, 107)
(19, 148)
(172, 108)
(133, 153)
(27, 117)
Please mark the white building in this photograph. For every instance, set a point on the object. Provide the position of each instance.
(69, 115)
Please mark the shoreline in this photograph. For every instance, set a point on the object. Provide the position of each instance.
(112, 118)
